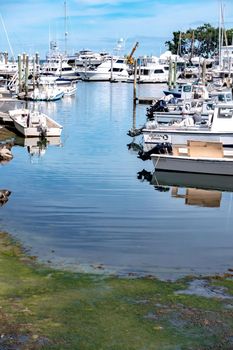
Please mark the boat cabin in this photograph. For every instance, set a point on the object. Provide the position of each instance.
(222, 118)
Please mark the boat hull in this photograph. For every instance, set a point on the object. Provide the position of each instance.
(36, 131)
(152, 138)
(221, 166)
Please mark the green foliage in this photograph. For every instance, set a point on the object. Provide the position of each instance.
(202, 41)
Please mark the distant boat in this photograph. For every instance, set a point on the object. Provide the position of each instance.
(151, 73)
(69, 90)
(114, 69)
(34, 124)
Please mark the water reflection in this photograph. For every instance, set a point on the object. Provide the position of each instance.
(36, 146)
(201, 190)
(4, 196)
(197, 196)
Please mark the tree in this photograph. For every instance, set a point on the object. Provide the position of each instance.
(202, 41)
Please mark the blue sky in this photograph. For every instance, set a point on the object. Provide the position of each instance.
(97, 24)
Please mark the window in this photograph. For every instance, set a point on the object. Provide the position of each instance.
(158, 71)
(187, 88)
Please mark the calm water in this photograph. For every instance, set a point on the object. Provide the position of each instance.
(81, 204)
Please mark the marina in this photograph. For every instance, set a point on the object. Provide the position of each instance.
(116, 192)
(80, 203)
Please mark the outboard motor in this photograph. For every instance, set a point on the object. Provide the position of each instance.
(160, 148)
(158, 106)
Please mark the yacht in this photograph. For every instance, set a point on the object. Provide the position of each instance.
(112, 69)
(57, 64)
(87, 57)
(58, 67)
(152, 73)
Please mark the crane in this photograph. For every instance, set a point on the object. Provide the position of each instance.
(130, 59)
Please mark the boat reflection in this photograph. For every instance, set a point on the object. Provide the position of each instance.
(198, 197)
(202, 190)
(37, 146)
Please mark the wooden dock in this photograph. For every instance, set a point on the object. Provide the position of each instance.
(146, 100)
(5, 118)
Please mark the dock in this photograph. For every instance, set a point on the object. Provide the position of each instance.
(146, 100)
(5, 119)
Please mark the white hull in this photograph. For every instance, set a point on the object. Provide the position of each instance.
(218, 128)
(215, 166)
(36, 131)
(181, 137)
(34, 124)
(93, 76)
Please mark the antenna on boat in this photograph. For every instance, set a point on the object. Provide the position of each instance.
(11, 50)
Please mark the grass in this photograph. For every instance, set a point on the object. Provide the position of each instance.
(42, 308)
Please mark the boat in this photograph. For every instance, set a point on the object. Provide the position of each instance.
(34, 124)
(112, 69)
(196, 157)
(69, 90)
(218, 127)
(151, 73)
(45, 93)
(56, 64)
(86, 57)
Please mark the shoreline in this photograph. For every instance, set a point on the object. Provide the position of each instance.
(46, 308)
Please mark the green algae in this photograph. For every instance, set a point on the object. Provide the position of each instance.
(43, 308)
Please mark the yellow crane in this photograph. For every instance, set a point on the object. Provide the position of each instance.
(130, 59)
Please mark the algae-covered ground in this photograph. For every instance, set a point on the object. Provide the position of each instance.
(42, 308)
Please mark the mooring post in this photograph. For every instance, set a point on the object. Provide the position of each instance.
(20, 72)
(174, 72)
(111, 68)
(34, 73)
(135, 83)
(170, 75)
(26, 74)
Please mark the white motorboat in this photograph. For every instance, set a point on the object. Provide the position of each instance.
(45, 93)
(114, 69)
(34, 124)
(69, 90)
(152, 73)
(57, 65)
(196, 157)
(218, 127)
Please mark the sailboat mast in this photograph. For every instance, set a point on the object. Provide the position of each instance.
(66, 33)
(7, 37)
(220, 36)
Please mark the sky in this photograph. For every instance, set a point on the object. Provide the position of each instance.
(29, 25)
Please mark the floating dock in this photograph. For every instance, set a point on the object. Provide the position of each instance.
(146, 100)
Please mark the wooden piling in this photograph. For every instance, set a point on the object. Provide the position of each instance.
(20, 72)
(135, 83)
(111, 75)
(26, 74)
(170, 75)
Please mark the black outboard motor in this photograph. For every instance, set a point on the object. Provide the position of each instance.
(158, 106)
(160, 148)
